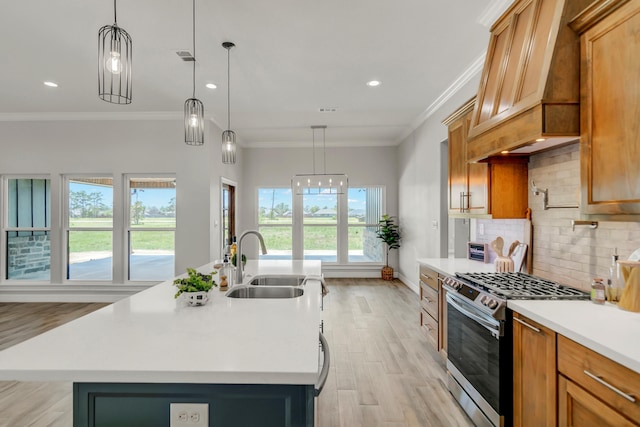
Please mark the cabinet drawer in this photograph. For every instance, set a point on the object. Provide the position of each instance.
(429, 299)
(602, 377)
(429, 277)
(430, 327)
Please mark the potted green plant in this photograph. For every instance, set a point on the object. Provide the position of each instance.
(195, 286)
(389, 233)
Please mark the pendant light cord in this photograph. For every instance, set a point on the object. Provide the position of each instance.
(194, 48)
(324, 151)
(314, 150)
(228, 90)
(115, 15)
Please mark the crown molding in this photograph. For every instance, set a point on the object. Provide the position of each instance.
(492, 12)
(85, 116)
(474, 68)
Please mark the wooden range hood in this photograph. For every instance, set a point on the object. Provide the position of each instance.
(530, 84)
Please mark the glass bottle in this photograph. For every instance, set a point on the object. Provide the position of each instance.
(614, 285)
(597, 291)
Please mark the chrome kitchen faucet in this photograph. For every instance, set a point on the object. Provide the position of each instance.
(239, 255)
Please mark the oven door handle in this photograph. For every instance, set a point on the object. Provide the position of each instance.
(491, 326)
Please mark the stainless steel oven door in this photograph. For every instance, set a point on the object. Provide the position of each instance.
(476, 353)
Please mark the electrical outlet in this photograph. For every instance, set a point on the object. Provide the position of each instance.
(189, 415)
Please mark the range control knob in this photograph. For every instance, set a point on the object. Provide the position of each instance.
(492, 303)
(484, 299)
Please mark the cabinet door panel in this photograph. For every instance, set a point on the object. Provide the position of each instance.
(610, 153)
(534, 374)
(457, 165)
(521, 25)
(493, 74)
(478, 188)
(577, 407)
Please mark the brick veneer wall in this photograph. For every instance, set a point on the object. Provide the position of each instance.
(28, 255)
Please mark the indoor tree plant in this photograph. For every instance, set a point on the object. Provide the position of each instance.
(196, 286)
(389, 233)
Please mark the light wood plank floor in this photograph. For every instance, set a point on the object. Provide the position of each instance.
(384, 373)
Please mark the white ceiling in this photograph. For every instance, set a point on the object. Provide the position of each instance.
(291, 58)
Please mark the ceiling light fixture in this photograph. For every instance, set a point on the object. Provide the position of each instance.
(228, 136)
(211, 86)
(193, 107)
(373, 83)
(51, 84)
(114, 63)
(320, 184)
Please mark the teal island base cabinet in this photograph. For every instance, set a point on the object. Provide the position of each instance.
(148, 405)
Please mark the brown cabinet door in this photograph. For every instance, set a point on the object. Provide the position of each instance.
(577, 407)
(534, 374)
(457, 165)
(610, 112)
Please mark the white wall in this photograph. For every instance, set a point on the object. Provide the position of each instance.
(419, 186)
(56, 148)
(265, 167)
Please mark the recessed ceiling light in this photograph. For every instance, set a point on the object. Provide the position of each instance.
(373, 83)
(51, 84)
(211, 86)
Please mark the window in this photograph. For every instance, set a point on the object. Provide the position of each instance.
(365, 210)
(275, 222)
(28, 229)
(151, 228)
(329, 227)
(89, 228)
(320, 227)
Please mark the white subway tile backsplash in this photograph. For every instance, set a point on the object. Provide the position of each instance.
(570, 257)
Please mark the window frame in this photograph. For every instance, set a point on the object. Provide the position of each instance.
(126, 226)
(66, 210)
(342, 225)
(383, 202)
(259, 225)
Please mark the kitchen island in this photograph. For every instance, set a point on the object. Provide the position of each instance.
(130, 360)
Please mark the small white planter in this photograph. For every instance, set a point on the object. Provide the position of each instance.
(196, 298)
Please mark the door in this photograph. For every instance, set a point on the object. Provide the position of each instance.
(228, 214)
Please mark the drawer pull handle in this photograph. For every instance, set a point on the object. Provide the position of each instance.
(527, 325)
(599, 379)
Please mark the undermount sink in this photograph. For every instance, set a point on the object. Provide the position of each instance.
(277, 280)
(265, 292)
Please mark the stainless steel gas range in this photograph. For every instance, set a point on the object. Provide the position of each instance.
(479, 338)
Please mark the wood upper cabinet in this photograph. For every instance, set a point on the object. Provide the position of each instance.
(529, 87)
(610, 112)
(534, 374)
(468, 182)
(496, 187)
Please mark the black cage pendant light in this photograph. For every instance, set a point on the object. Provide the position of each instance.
(114, 63)
(228, 136)
(193, 107)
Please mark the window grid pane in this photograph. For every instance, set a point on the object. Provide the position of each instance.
(90, 255)
(28, 248)
(151, 255)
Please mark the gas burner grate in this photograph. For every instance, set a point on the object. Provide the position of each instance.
(521, 286)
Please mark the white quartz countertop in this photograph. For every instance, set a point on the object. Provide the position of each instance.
(605, 329)
(451, 266)
(152, 337)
